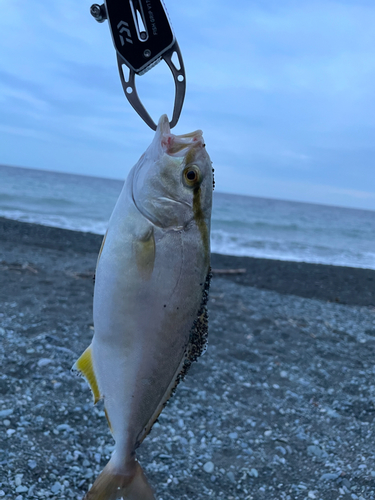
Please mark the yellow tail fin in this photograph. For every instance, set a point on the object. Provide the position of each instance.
(111, 485)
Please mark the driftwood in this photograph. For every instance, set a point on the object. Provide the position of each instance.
(228, 271)
(77, 275)
(4, 266)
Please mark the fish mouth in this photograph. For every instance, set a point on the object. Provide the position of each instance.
(187, 148)
(178, 145)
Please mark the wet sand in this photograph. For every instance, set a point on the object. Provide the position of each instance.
(281, 405)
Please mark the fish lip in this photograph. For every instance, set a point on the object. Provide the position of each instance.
(163, 125)
(176, 145)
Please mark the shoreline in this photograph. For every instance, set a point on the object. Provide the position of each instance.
(340, 284)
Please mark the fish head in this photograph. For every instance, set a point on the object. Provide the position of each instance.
(172, 183)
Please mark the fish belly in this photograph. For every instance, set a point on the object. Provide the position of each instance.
(147, 296)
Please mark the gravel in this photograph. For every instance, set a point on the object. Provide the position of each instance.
(280, 407)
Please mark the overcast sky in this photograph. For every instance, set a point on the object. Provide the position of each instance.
(284, 92)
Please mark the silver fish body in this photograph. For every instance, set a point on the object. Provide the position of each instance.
(151, 288)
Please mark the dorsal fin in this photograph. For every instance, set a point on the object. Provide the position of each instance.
(101, 248)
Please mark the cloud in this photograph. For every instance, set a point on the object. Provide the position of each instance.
(282, 90)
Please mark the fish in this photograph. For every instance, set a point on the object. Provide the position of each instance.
(150, 299)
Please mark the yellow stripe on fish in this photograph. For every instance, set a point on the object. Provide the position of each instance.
(201, 223)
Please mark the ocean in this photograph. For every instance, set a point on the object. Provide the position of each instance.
(241, 225)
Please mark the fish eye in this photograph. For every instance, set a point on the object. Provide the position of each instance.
(191, 175)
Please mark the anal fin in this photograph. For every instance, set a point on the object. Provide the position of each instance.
(85, 366)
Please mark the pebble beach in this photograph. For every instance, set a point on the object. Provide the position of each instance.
(281, 406)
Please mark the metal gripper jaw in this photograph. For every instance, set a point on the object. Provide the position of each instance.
(142, 36)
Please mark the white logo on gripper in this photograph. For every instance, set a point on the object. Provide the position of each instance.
(123, 29)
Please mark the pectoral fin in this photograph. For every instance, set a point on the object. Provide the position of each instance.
(144, 249)
(85, 366)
